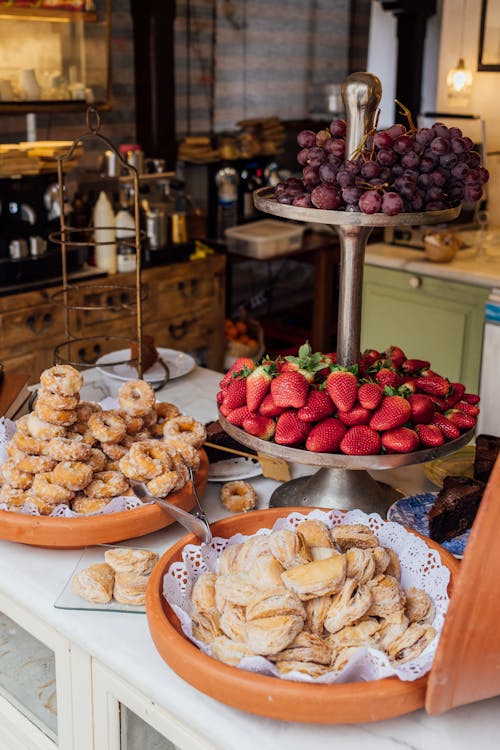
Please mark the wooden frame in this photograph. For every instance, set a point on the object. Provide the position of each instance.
(491, 63)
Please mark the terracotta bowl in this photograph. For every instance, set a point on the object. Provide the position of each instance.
(347, 703)
(74, 533)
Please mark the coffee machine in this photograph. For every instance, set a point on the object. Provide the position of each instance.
(29, 212)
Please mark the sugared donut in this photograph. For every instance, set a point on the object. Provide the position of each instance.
(64, 449)
(74, 475)
(107, 484)
(97, 459)
(61, 417)
(146, 460)
(189, 455)
(107, 426)
(36, 464)
(57, 400)
(238, 496)
(85, 505)
(62, 379)
(21, 480)
(27, 444)
(13, 496)
(43, 430)
(45, 487)
(136, 397)
(164, 484)
(187, 429)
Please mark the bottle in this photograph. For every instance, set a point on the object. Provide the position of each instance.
(226, 180)
(104, 234)
(125, 230)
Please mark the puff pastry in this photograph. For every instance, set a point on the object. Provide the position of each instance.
(381, 558)
(232, 622)
(364, 633)
(304, 667)
(233, 588)
(348, 535)
(95, 583)
(306, 647)
(228, 560)
(256, 548)
(130, 588)
(289, 548)
(274, 602)
(205, 626)
(266, 573)
(126, 560)
(419, 606)
(347, 606)
(229, 651)
(343, 655)
(316, 578)
(203, 593)
(387, 596)
(360, 564)
(315, 533)
(316, 612)
(394, 567)
(411, 643)
(392, 627)
(269, 635)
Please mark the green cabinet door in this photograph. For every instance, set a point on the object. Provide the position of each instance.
(428, 318)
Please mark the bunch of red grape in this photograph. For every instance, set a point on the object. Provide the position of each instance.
(393, 170)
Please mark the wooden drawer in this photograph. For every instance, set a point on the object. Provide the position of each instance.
(109, 303)
(188, 285)
(30, 325)
(189, 330)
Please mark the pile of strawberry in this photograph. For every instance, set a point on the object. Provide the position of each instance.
(386, 403)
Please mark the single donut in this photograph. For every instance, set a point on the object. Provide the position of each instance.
(86, 505)
(187, 429)
(114, 451)
(163, 484)
(22, 425)
(14, 452)
(74, 475)
(85, 409)
(112, 466)
(189, 455)
(62, 379)
(107, 426)
(21, 480)
(80, 431)
(43, 430)
(136, 397)
(107, 484)
(238, 496)
(27, 444)
(97, 459)
(43, 507)
(62, 417)
(45, 487)
(145, 460)
(182, 476)
(164, 410)
(64, 449)
(134, 424)
(36, 464)
(57, 400)
(13, 496)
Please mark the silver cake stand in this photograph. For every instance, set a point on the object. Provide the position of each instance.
(343, 481)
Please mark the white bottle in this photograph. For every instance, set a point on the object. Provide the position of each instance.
(104, 232)
(125, 229)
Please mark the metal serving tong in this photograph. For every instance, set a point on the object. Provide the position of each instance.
(197, 523)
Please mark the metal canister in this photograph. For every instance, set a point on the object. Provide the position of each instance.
(157, 228)
(178, 228)
(18, 249)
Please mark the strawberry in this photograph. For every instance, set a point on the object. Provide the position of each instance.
(400, 440)
(268, 407)
(422, 408)
(236, 416)
(360, 440)
(369, 358)
(471, 398)
(357, 415)
(449, 430)
(455, 395)
(429, 435)
(407, 386)
(225, 410)
(307, 362)
(413, 366)
(342, 387)
(325, 436)
(235, 394)
(433, 384)
(238, 366)
(318, 406)
(370, 395)
(290, 430)
(259, 426)
(259, 383)
(220, 397)
(387, 376)
(468, 408)
(394, 356)
(393, 412)
(460, 419)
(289, 389)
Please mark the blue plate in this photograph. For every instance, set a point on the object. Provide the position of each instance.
(412, 512)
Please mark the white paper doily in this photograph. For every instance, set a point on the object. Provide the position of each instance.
(420, 567)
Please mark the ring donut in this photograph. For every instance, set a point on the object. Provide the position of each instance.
(164, 410)
(97, 459)
(45, 486)
(57, 400)
(43, 507)
(43, 430)
(107, 426)
(13, 496)
(107, 484)
(145, 460)
(114, 451)
(189, 455)
(61, 417)
(64, 449)
(62, 379)
(14, 452)
(238, 496)
(187, 429)
(86, 505)
(27, 444)
(136, 397)
(134, 424)
(21, 480)
(163, 484)
(74, 475)
(36, 464)
(85, 409)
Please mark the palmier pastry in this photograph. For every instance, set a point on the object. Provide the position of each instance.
(392, 627)
(360, 564)
(274, 602)
(316, 612)
(411, 643)
(203, 593)
(350, 535)
(419, 606)
(316, 578)
(232, 622)
(306, 647)
(304, 667)
(387, 596)
(229, 651)
(127, 560)
(381, 558)
(95, 584)
(130, 588)
(315, 533)
(347, 606)
(289, 548)
(268, 635)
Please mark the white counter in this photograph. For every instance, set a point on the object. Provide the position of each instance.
(33, 578)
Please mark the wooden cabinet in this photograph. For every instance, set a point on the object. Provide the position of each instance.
(440, 321)
(183, 308)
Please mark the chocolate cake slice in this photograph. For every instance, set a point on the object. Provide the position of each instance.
(218, 437)
(487, 450)
(455, 507)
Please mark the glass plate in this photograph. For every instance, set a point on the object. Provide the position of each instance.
(69, 599)
(412, 512)
(234, 469)
(179, 364)
(459, 464)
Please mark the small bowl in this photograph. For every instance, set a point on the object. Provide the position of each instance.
(441, 247)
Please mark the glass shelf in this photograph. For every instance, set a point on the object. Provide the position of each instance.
(136, 734)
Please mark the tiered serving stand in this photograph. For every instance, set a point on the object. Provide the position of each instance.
(343, 481)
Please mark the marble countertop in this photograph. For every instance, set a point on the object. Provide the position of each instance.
(34, 578)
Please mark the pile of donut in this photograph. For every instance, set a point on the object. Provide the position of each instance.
(72, 452)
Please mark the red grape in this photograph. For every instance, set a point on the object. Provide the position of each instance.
(392, 204)
(326, 197)
(370, 202)
(306, 139)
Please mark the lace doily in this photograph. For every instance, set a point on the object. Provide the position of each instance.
(117, 504)
(420, 567)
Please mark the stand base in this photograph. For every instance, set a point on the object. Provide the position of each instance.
(337, 488)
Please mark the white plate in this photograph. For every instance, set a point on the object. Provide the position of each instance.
(234, 469)
(178, 363)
